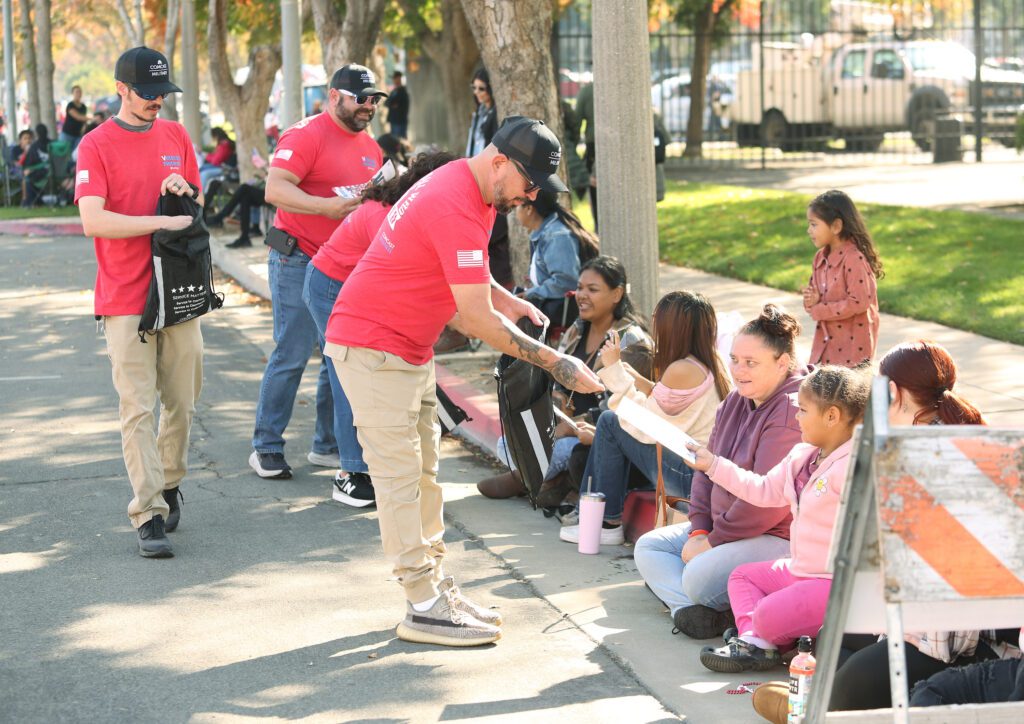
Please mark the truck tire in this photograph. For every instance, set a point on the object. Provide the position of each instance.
(922, 120)
(775, 129)
(747, 135)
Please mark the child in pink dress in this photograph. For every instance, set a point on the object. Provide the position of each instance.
(776, 602)
(842, 296)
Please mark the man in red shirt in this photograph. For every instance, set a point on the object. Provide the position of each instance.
(124, 166)
(319, 167)
(427, 267)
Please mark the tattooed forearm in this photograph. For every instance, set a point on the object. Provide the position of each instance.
(525, 348)
(564, 373)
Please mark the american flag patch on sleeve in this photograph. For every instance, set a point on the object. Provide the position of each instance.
(466, 259)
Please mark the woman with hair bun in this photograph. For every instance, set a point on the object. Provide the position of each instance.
(688, 565)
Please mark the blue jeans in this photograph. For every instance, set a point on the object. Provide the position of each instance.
(294, 337)
(704, 580)
(612, 452)
(72, 141)
(319, 293)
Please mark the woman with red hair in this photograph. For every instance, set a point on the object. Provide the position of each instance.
(921, 379)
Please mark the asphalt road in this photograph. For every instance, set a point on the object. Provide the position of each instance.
(277, 604)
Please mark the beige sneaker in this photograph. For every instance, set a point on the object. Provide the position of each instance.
(445, 624)
(465, 605)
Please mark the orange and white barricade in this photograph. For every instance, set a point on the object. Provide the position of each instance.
(930, 537)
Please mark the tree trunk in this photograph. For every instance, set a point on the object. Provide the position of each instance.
(244, 105)
(44, 66)
(515, 44)
(132, 20)
(350, 39)
(28, 65)
(170, 110)
(703, 27)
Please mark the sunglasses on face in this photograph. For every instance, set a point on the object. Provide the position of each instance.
(360, 99)
(530, 185)
(147, 96)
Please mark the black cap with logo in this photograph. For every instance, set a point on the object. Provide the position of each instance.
(145, 70)
(532, 144)
(357, 80)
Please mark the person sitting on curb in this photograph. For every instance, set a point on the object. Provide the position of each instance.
(688, 565)
(692, 383)
(605, 306)
(777, 602)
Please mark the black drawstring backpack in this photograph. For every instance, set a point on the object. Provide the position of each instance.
(182, 284)
(527, 414)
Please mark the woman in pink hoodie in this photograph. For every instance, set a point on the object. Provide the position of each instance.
(775, 602)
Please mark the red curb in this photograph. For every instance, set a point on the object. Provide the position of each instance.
(28, 228)
(485, 427)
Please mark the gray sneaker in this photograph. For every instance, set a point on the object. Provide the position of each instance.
(446, 625)
(465, 605)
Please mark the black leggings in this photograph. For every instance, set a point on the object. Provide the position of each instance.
(986, 682)
(862, 681)
(245, 198)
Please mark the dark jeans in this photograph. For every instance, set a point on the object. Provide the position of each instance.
(862, 681)
(246, 198)
(611, 454)
(986, 682)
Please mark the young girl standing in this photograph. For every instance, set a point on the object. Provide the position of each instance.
(842, 295)
(776, 602)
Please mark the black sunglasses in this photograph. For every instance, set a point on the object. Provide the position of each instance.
(148, 96)
(360, 99)
(530, 185)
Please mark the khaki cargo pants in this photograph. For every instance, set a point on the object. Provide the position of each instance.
(169, 365)
(394, 406)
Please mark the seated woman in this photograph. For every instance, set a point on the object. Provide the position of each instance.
(692, 381)
(221, 154)
(604, 306)
(35, 164)
(688, 565)
(558, 245)
(248, 199)
(325, 275)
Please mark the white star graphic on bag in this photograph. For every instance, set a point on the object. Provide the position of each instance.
(199, 288)
(191, 288)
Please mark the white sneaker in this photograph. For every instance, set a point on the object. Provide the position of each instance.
(323, 461)
(609, 536)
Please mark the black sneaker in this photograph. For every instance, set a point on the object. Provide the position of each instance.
(153, 541)
(174, 514)
(241, 242)
(702, 622)
(354, 489)
(270, 465)
(737, 656)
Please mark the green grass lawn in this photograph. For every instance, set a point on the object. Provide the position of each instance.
(9, 213)
(961, 269)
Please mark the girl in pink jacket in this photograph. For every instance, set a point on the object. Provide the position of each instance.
(776, 602)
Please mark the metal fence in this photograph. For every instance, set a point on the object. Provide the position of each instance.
(850, 82)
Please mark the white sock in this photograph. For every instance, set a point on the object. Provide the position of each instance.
(425, 605)
(757, 641)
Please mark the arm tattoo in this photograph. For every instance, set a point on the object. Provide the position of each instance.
(526, 348)
(564, 373)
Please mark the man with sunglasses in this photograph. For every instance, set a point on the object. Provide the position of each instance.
(427, 267)
(124, 166)
(317, 172)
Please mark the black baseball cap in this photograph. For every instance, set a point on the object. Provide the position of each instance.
(535, 147)
(145, 69)
(356, 79)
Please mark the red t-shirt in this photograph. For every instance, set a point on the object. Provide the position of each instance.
(323, 155)
(126, 168)
(398, 298)
(339, 255)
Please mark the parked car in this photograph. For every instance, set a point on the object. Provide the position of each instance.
(671, 98)
(570, 82)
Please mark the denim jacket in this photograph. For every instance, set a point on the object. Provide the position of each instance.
(555, 253)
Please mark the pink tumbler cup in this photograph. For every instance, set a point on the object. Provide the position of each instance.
(591, 519)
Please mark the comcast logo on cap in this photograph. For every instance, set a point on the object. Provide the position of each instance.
(158, 68)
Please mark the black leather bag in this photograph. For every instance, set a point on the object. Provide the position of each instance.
(526, 413)
(182, 285)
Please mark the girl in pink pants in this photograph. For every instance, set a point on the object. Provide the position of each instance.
(775, 602)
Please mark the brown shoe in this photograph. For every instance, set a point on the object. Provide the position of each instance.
(553, 491)
(506, 485)
(771, 701)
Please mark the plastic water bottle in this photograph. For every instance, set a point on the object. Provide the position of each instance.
(801, 672)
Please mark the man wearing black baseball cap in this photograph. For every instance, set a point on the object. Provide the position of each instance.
(317, 173)
(427, 267)
(124, 166)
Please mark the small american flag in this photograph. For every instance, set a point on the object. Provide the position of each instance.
(470, 258)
